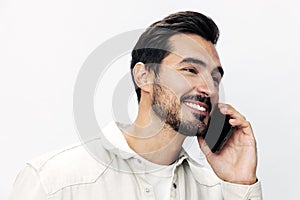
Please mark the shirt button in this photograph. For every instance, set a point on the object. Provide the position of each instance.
(174, 185)
(147, 190)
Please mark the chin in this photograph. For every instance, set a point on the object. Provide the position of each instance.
(192, 129)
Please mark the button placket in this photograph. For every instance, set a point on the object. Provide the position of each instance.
(147, 189)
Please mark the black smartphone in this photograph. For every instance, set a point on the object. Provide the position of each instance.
(218, 130)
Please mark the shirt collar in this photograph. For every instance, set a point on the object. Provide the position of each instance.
(115, 142)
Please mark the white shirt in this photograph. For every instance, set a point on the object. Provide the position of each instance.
(160, 179)
(100, 170)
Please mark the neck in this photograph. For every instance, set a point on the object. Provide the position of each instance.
(151, 138)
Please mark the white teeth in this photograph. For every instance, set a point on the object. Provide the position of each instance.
(196, 106)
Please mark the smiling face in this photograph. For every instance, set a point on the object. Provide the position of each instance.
(187, 86)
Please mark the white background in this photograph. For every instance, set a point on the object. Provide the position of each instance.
(44, 43)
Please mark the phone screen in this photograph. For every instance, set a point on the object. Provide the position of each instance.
(218, 131)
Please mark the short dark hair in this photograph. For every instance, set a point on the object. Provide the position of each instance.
(153, 45)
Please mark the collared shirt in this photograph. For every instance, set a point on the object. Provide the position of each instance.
(99, 169)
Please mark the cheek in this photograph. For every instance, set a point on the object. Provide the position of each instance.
(176, 83)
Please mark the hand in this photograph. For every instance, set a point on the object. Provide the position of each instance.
(237, 161)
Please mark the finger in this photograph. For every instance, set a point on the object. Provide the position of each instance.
(242, 124)
(239, 123)
(227, 109)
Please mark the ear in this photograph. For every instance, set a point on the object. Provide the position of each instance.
(142, 77)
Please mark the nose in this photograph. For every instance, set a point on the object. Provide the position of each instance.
(205, 85)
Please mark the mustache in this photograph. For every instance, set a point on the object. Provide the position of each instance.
(200, 98)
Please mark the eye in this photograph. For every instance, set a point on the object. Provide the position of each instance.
(190, 70)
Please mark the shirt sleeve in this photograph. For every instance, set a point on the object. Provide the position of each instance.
(27, 186)
(233, 191)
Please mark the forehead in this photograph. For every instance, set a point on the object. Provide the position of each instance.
(192, 46)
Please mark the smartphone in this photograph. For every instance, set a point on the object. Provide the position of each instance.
(218, 130)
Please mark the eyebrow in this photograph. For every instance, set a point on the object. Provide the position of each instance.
(193, 60)
(200, 62)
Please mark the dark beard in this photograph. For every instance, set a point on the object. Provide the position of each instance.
(167, 107)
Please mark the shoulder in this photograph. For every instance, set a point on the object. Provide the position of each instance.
(73, 165)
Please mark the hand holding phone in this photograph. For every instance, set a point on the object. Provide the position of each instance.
(242, 146)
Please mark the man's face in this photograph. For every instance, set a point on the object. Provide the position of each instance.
(187, 86)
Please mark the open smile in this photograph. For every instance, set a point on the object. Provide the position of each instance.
(197, 106)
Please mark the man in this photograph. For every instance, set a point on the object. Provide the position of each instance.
(176, 70)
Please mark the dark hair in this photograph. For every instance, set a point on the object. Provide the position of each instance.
(153, 45)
